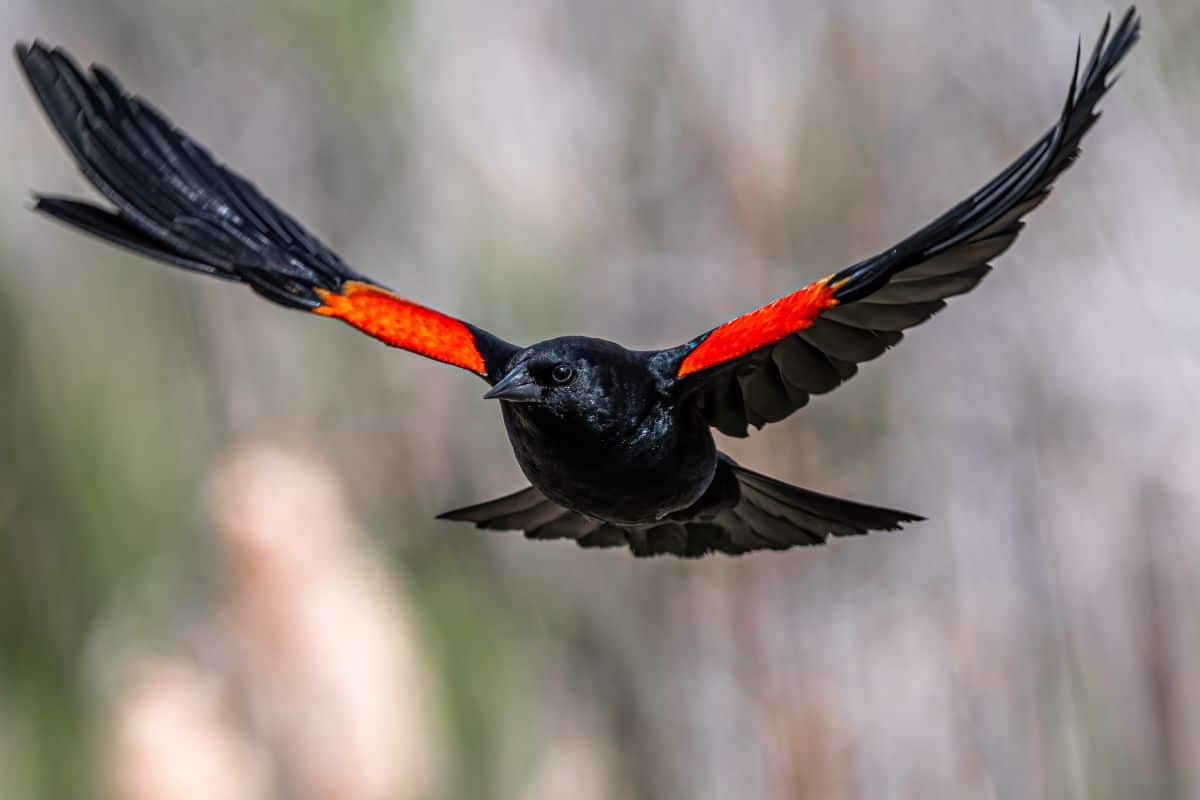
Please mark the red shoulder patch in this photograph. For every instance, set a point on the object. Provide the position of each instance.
(402, 323)
(760, 327)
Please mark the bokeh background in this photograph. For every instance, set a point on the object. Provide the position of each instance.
(220, 575)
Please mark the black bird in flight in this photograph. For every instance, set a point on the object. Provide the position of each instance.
(616, 443)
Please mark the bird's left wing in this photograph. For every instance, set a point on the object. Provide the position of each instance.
(175, 203)
(763, 365)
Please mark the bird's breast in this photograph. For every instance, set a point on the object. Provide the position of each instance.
(626, 474)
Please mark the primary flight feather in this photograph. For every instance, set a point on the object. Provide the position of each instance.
(616, 443)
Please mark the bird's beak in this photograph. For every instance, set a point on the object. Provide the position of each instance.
(517, 386)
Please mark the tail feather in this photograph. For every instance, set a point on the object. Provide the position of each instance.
(762, 514)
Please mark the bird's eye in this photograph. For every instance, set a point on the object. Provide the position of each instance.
(562, 374)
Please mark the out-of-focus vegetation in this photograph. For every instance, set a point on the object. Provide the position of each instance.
(219, 569)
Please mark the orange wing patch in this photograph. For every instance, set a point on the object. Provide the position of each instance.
(762, 326)
(402, 323)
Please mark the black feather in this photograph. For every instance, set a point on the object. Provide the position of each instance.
(882, 296)
(1020, 187)
(174, 201)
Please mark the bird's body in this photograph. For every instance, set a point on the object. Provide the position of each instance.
(617, 444)
(622, 450)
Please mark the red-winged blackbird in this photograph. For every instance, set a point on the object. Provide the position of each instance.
(617, 443)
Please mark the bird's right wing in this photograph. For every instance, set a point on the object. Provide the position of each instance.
(175, 203)
(763, 365)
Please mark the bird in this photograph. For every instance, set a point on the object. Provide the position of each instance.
(617, 445)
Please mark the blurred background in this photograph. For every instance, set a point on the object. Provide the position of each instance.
(220, 573)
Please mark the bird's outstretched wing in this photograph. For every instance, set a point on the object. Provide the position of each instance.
(763, 365)
(175, 203)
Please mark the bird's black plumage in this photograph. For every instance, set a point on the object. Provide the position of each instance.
(905, 285)
(617, 443)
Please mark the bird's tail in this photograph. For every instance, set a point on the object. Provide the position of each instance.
(761, 514)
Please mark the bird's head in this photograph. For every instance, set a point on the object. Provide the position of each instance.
(572, 377)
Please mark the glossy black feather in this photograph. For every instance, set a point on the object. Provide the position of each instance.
(902, 287)
(120, 231)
